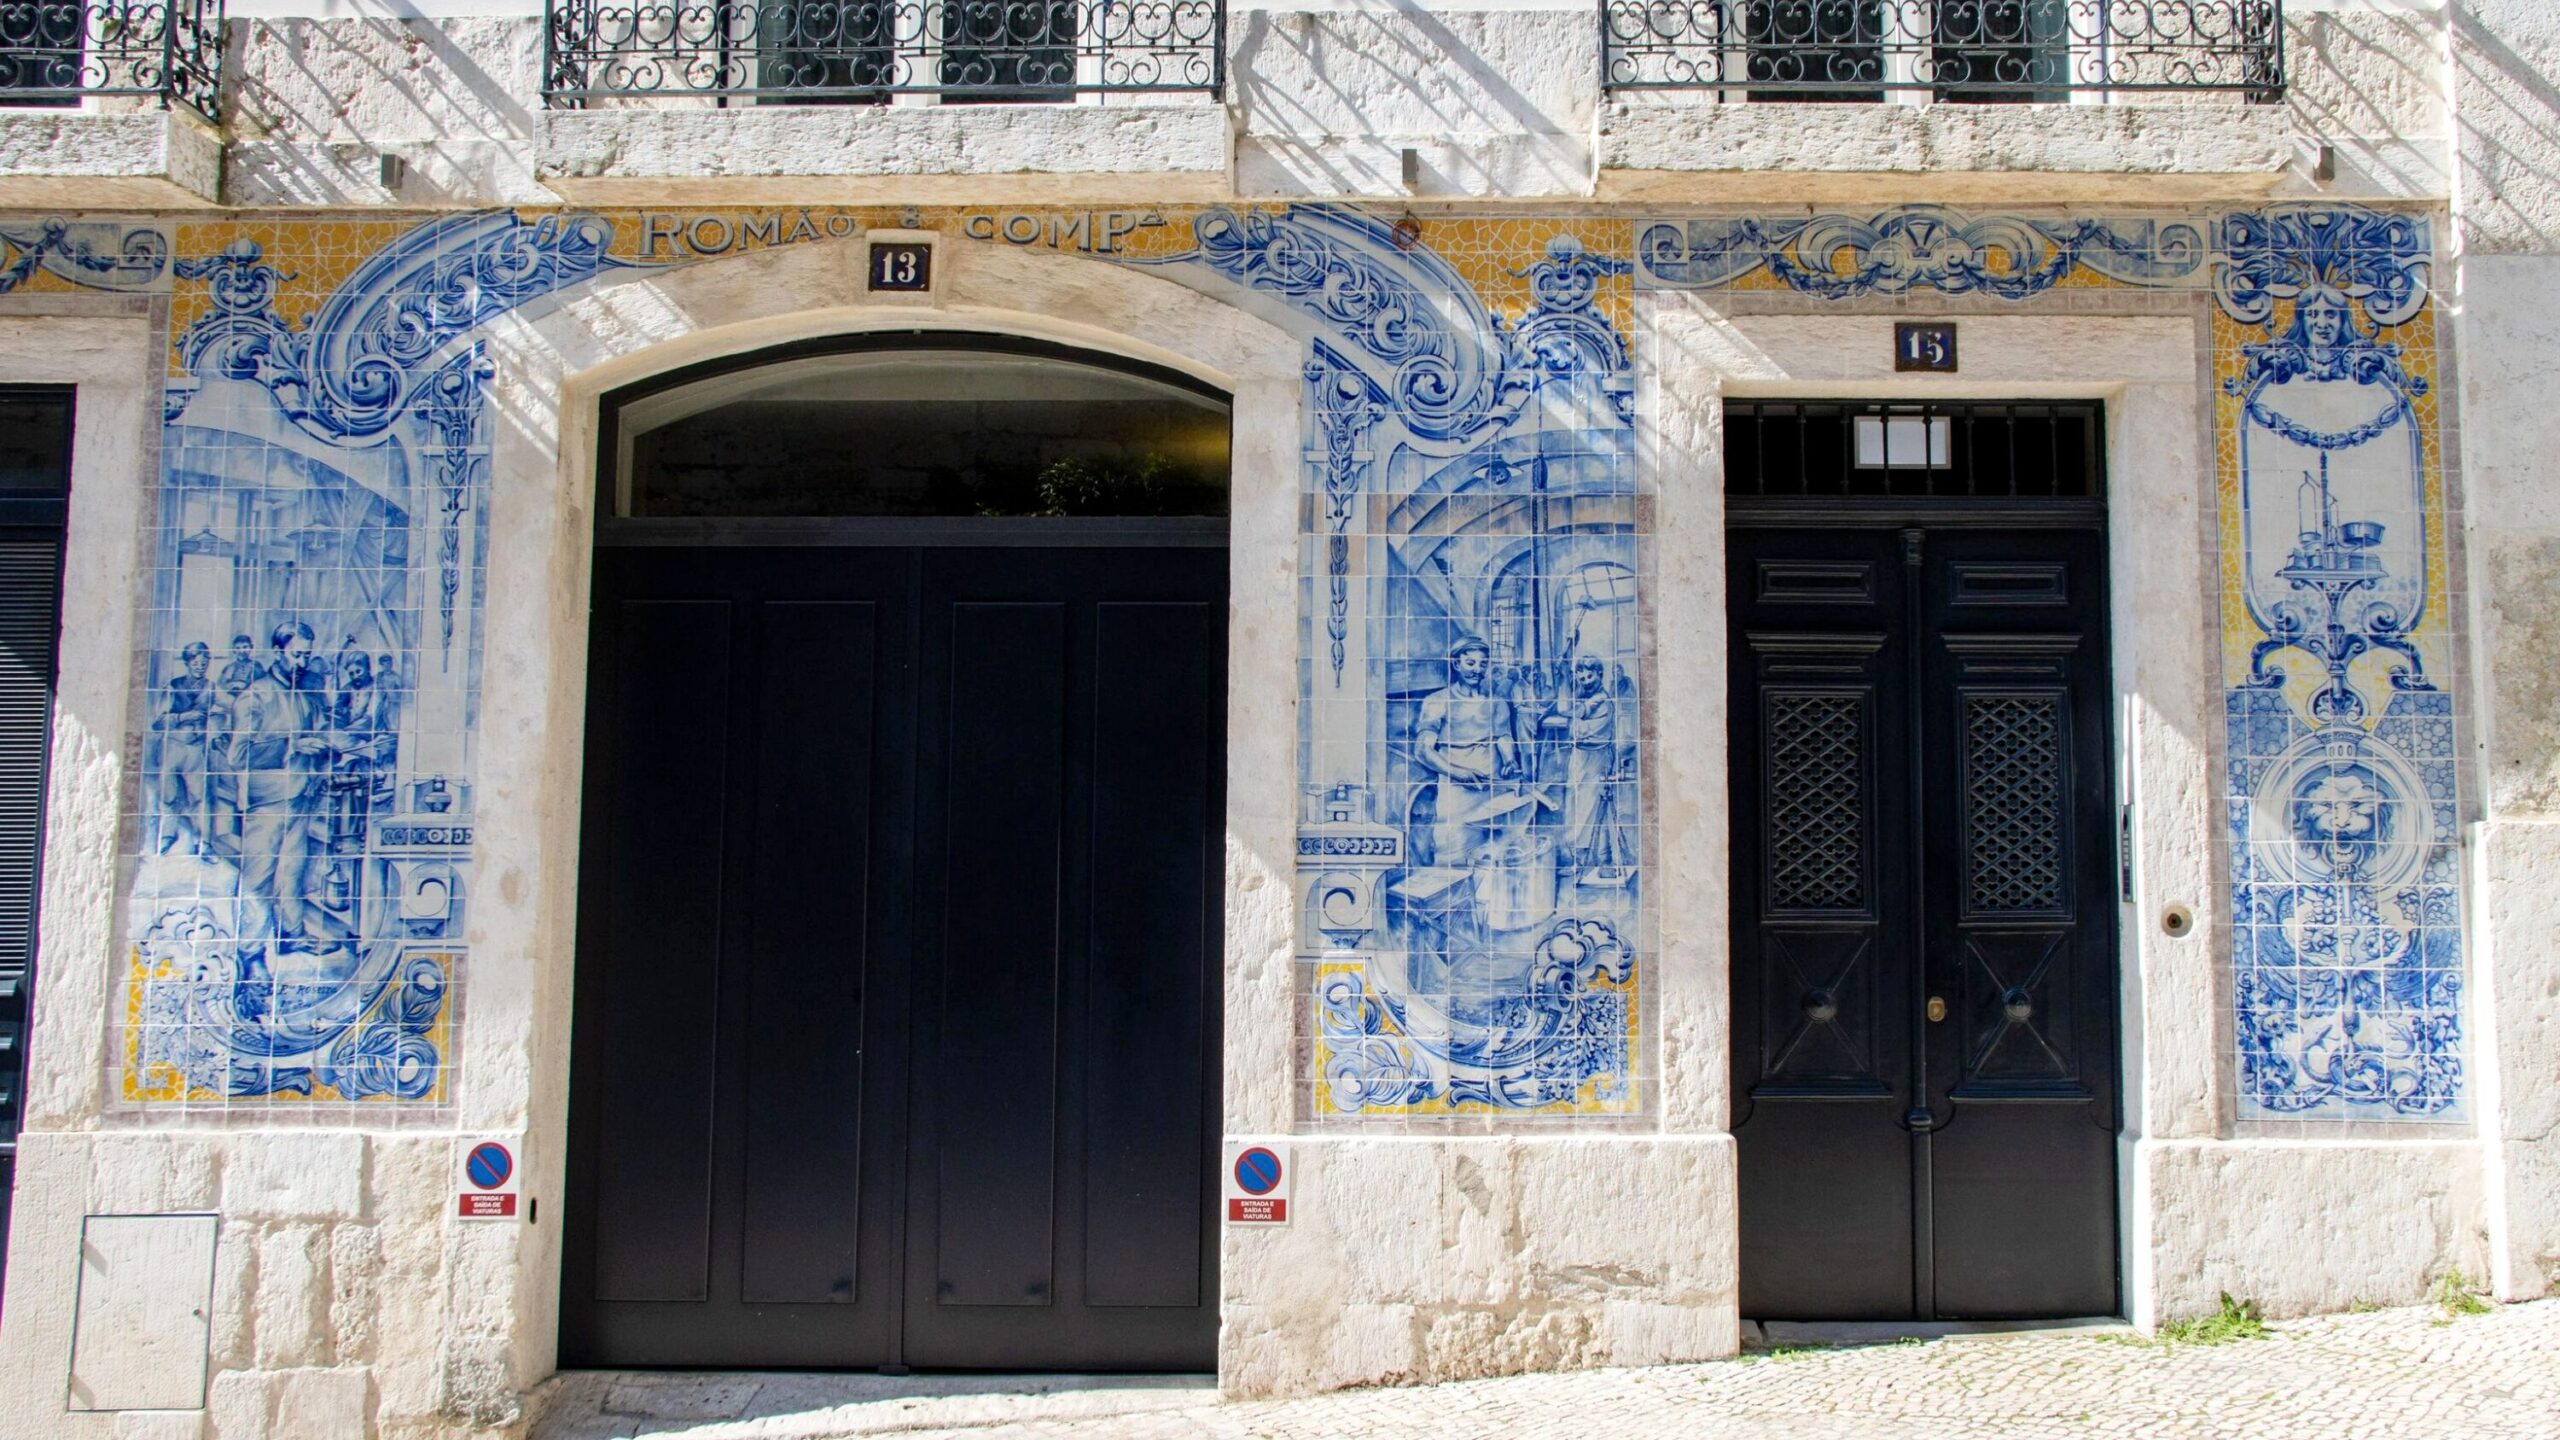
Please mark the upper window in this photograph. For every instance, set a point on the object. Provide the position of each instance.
(924, 428)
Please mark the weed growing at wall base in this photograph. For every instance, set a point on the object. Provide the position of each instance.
(2236, 1320)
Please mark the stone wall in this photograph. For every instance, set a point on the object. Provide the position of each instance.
(346, 1300)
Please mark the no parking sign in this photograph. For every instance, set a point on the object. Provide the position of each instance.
(488, 1180)
(1257, 1184)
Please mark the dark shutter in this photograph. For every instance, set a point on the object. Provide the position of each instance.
(35, 484)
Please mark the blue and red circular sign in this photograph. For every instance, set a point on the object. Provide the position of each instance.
(488, 1165)
(1257, 1171)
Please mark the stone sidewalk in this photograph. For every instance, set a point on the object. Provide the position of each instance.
(2404, 1374)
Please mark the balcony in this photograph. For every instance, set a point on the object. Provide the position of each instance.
(773, 100)
(825, 52)
(1972, 51)
(1963, 101)
(110, 102)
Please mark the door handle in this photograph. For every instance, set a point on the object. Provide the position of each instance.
(1937, 1008)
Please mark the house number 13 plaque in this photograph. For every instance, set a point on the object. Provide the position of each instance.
(902, 266)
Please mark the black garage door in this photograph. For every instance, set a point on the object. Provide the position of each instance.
(897, 1007)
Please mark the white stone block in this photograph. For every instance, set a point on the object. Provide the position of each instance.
(1645, 1332)
(1651, 147)
(106, 160)
(290, 1322)
(1492, 102)
(241, 1405)
(355, 1289)
(305, 1175)
(1265, 1351)
(318, 1403)
(1163, 149)
(160, 1425)
(235, 1287)
(147, 1174)
(2302, 1226)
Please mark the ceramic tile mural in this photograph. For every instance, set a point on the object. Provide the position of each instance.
(303, 849)
(1478, 924)
(1473, 662)
(2347, 943)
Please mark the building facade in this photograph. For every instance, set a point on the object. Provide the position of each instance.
(769, 687)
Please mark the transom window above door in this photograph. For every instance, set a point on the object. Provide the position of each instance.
(1938, 450)
(913, 426)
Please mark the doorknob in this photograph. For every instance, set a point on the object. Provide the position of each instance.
(1937, 1008)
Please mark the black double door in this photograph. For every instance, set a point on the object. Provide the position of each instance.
(1924, 903)
(896, 1005)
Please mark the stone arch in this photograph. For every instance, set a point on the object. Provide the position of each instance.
(552, 365)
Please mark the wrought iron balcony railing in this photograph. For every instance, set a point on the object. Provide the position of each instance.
(1963, 50)
(55, 52)
(857, 51)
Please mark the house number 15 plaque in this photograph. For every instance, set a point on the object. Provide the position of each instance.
(1924, 347)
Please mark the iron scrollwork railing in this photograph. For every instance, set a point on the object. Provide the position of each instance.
(54, 52)
(853, 51)
(1978, 50)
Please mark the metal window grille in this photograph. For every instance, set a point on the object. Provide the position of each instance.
(1975, 51)
(868, 51)
(54, 52)
(1979, 451)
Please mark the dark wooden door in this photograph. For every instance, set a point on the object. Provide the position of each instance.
(1924, 887)
(899, 932)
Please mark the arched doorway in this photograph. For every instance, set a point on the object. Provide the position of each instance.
(896, 1035)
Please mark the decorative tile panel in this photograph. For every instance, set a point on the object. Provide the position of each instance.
(311, 686)
(1472, 842)
(2347, 947)
(1475, 815)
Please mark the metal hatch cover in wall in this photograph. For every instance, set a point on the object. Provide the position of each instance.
(1923, 953)
(896, 1030)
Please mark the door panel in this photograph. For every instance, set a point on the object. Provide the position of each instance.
(1157, 895)
(2022, 923)
(809, 950)
(896, 1026)
(993, 1073)
(1074, 1051)
(670, 699)
(1921, 811)
(1822, 968)
(737, 1077)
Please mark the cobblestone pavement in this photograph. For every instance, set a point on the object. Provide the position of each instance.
(2406, 1374)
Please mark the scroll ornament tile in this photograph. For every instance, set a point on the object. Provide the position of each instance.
(88, 255)
(1915, 249)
